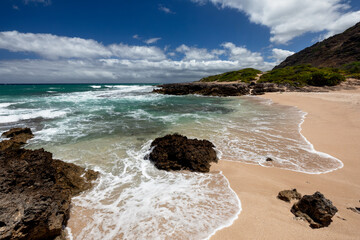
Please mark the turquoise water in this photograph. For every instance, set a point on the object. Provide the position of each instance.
(109, 128)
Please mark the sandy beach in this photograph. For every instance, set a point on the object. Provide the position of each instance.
(332, 125)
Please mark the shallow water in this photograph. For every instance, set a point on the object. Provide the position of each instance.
(109, 128)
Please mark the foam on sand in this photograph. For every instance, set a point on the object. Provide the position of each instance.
(137, 201)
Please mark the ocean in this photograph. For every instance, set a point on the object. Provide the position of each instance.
(109, 128)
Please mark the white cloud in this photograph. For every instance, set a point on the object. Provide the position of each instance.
(136, 36)
(248, 58)
(288, 19)
(112, 70)
(152, 40)
(65, 59)
(51, 46)
(54, 47)
(280, 55)
(165, 9)
(193, 53)
(136, 52)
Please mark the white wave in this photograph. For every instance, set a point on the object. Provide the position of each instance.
(5, 105)
(25, 114)
(95, 86)
(51, 91)
(138, 201)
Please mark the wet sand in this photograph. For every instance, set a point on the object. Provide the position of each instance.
(332, 126)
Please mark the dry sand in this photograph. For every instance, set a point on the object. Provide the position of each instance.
(332, 126)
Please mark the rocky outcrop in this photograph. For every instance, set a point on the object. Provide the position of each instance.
(288, 195)
(261, 88)
(18, 137)
(316, 209)
(177, 152)
(332, 52)
(220, 89)
(206, 89)
(36, 191)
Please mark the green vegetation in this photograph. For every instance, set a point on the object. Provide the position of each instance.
(303, 75)
(351, 70)
(245, 75)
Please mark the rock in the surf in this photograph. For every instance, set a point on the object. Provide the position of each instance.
(316, 209)
(18, 137)
(177, 152)
(36, 191)
(288, 195)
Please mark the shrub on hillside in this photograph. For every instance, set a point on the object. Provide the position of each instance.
(303, 75)
(245, 75)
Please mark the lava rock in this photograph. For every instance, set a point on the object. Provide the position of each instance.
(18, 137)
(316, 209)
(206, 89)
(36, 191)
(177, 152)
(16, 132)
(288, 195)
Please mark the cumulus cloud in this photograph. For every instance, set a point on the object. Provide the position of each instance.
(136, 52)
(288, 19)
(54, 47)
(112, 70)
(242, 54)
(280, 55)
(66, 59)
(51, 46)
(193, 53)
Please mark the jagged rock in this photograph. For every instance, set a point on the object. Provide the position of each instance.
(35, 193)
(332, 52)
(207, 89)
(288, 195)
(18, 131)
(316, 209)
(177, 152)
(18, 137)
(261, 88)
(269, 159)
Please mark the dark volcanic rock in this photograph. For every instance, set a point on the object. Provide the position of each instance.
(332, 52)
(316, 209)
(35, 193)
(177, 152)
(207, 89)
(14, 132)
(19, 137)
(288, 195)
(261, 88)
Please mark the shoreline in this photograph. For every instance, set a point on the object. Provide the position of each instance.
(331, 126)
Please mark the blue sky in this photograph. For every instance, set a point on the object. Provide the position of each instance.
(51, 41)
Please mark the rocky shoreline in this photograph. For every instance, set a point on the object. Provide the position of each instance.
(36, 190)
(224, 89)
